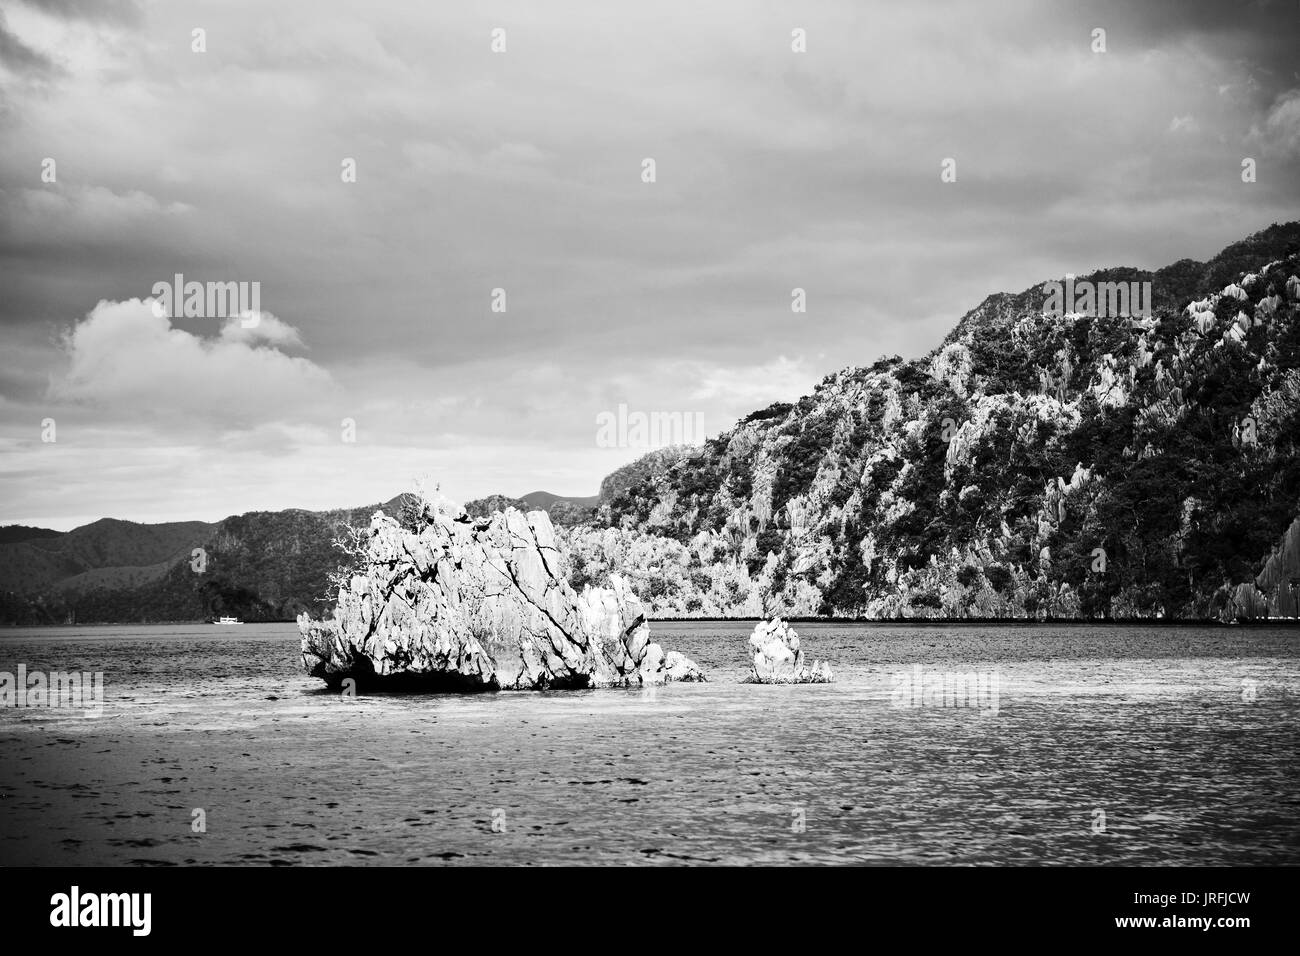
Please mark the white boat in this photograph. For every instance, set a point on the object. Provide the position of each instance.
(229, 620)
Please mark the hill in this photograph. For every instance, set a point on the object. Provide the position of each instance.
(544, 500)
(564, 511)
(61, 560)
(263, 565)
(13, 533)
(1040, 462)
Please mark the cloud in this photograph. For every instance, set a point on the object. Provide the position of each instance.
(126, 358)
(77, 213)
(1282, 125)
(96, 11)
(260, 327)
(17, 57)
(514, 162)
(776, 170)
(755, 386)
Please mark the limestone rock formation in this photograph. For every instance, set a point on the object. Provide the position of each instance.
(1275, 592)
(778, 659)
(480, 604)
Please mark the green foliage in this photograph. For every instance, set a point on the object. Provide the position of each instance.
(801, 459)
(999, 578)
(775, 410)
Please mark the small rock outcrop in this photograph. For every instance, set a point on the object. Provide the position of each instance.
(778, 659)
(480, 604)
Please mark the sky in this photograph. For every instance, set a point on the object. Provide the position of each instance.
(522, 169)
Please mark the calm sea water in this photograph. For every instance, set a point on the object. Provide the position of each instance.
(1107, 745)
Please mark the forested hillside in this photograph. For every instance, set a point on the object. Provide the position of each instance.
(1035, 464)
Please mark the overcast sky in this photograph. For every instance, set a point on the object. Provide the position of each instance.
(522, 170)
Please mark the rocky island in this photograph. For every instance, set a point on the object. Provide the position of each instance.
(778, 659)
(468, 604)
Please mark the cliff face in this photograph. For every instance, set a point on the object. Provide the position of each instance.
(1039, 462)
(1275, 592)
(479, 604)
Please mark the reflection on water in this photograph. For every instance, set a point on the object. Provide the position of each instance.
(971, 745)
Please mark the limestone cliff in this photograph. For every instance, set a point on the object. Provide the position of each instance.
(1040, 463)
(480, 604)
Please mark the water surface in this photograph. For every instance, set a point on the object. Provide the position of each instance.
(1108, 745)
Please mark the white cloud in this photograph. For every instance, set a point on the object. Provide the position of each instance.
(755, 386)
(260, 327)
(69, 212)
(125, 358)
(511, 161)
(1282, 125)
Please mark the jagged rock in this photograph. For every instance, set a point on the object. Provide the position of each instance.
(679, 667)
(481, 604)
(1275, 592)
(778, 659)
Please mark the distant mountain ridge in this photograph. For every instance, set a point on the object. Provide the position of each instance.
(544, 500)
(13, 533)
(96, 552)
(563, 510)
(256, 566)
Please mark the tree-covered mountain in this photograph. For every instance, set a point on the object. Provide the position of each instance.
(11, 533)
(564, 510)
(263, 565)
(1039, 462)
(105, 551)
